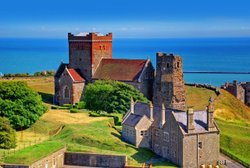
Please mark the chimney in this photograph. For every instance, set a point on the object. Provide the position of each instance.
(163, 111)
(132, 106)
(151, 110)
(210, 117)
(190, 119)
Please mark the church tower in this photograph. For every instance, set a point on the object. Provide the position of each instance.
(87, 50)
(169, 83)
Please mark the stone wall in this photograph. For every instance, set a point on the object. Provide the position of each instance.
(129, 134)
(167, 141)
(95, 160)
(54, 160)
(143, 133)
(77, 91)
(65, 81)
(205, 153)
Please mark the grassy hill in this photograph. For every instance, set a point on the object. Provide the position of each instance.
(84, 133)
(232, 117)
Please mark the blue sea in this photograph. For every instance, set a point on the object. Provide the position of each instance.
(213, 55)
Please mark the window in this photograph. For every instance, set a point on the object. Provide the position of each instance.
(167, 65)
(144, 133)
(166, 136)
(66, 92)
(200, 145)
(177, 64)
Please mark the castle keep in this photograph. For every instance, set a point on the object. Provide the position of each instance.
(187, 138)
(90, 59)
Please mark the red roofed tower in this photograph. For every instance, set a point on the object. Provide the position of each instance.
(87, 50)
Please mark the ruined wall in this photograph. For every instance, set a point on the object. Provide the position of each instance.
(86, 52)
(247, 93)
(94, 160)
(169, 83)
(236, 89)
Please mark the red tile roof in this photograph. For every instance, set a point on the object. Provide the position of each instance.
(119, 69)
(76, 77)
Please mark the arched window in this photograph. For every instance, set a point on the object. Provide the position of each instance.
(66, 92)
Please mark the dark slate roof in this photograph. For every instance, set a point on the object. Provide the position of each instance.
(200, 121)
(132, 120)
(200, 117)
(120, 69)
(76, 77)
(60, 69)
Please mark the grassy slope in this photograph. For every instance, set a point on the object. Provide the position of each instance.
(33, 153)
(198, 97)
(232, 117)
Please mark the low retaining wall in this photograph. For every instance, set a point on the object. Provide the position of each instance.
(14, 166)
(94, 160)
(54, 160)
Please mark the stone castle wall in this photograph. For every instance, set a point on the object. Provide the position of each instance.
(95, 160)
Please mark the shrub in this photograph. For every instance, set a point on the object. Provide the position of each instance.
(68, 106)
(80, 105)
(111, 96)
(74, 110)
(7, 134)
(21, 105)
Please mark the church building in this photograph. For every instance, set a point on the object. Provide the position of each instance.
(90, 59)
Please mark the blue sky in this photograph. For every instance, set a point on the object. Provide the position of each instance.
(125, 18)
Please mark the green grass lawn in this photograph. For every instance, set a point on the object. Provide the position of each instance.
(33, 153)
(235, 139)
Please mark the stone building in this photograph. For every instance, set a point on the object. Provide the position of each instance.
(241, 90)
(90, 59)
(187, 138)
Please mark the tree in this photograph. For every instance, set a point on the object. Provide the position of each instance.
(111, 96)
(21, 105)
(7, 134)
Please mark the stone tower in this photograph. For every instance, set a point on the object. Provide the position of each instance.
(169, 83)
(86, 52)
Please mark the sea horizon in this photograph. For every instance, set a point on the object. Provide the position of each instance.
(224, 54)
